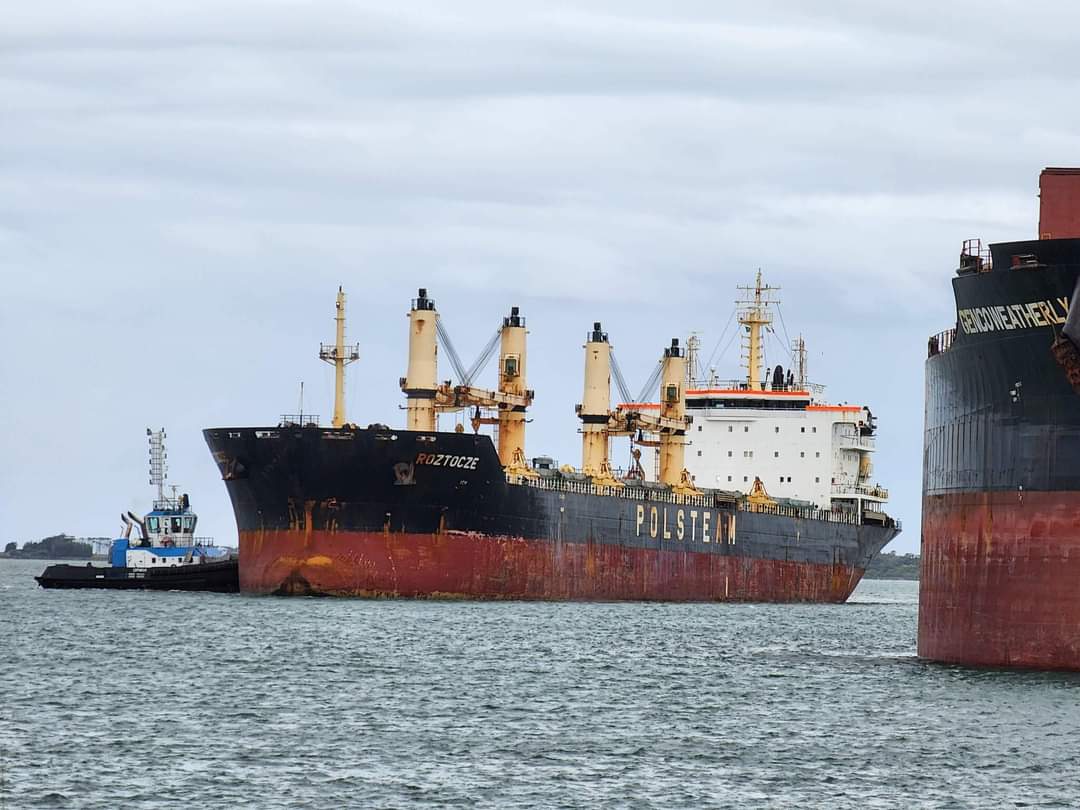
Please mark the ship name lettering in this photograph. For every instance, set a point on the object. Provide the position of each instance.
(660, 528)
(445, 460)
(1031, 315)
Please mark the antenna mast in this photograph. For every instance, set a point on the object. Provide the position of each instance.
(158, 469)
(754, 313)
(340, 356)
(799, 349)
(693, 349)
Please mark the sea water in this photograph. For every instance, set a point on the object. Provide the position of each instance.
(155, 700)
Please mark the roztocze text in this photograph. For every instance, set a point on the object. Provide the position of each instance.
(446, 460)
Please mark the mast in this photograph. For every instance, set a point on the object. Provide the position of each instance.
(754, 313)
(673, 407)
(595, 408)
(799, 349)
(340, 356)
(693, 347)
(512, 382)
(158, 469)
(420, 381)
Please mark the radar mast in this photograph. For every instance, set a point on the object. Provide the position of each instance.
(754, 313)
(340, 356)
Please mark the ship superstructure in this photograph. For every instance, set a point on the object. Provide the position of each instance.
(420, 512)
(773, 426)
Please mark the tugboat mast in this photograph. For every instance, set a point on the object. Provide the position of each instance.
(158, 470)
(340, 356)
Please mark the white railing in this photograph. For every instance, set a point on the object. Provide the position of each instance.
(743, 387)
(852, 439)
(862, 490)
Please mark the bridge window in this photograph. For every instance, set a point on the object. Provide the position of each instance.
(746, 429)
(777, 428)
(802, 455)
(802, 430)
(152, 523)
(175, 525)
(776, 454)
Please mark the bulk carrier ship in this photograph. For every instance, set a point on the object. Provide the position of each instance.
(1001, 477)
(423, 512)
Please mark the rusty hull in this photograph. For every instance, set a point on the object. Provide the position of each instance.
(1000, 579)
(476, 566)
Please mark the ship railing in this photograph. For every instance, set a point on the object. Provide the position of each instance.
(941, 342)
(292, 420)
(743, 387)
(852, 438)
(975, 257)
(586, 487)
(630, 492)
(184, 541)
(861, 489)
(804, 512)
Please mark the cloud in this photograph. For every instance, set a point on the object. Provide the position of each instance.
(195, 181)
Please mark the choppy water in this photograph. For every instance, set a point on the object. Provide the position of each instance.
(160, 700)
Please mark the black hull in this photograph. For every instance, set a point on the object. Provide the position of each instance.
(366, 511)
(219, 577)
(984, 432)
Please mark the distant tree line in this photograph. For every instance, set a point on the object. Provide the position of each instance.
(57, 547)
(894, 566)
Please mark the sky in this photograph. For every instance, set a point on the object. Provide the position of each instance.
(184, 186)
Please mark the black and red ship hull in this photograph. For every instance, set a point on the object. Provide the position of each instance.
(377, 512)
(1001, 482)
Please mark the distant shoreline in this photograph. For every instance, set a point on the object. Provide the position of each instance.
(891, 565)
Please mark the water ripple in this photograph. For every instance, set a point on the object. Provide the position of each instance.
(155, 700)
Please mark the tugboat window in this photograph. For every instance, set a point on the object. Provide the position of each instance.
(153, 523)
(187, 524)
(176, 525)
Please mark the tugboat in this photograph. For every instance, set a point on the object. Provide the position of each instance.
(166, 556)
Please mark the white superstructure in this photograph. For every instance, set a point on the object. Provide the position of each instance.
(774, 427)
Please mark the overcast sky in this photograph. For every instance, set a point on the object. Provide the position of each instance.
(184, 185)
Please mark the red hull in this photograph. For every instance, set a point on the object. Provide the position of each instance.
(1000, 579)
(477, 566)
